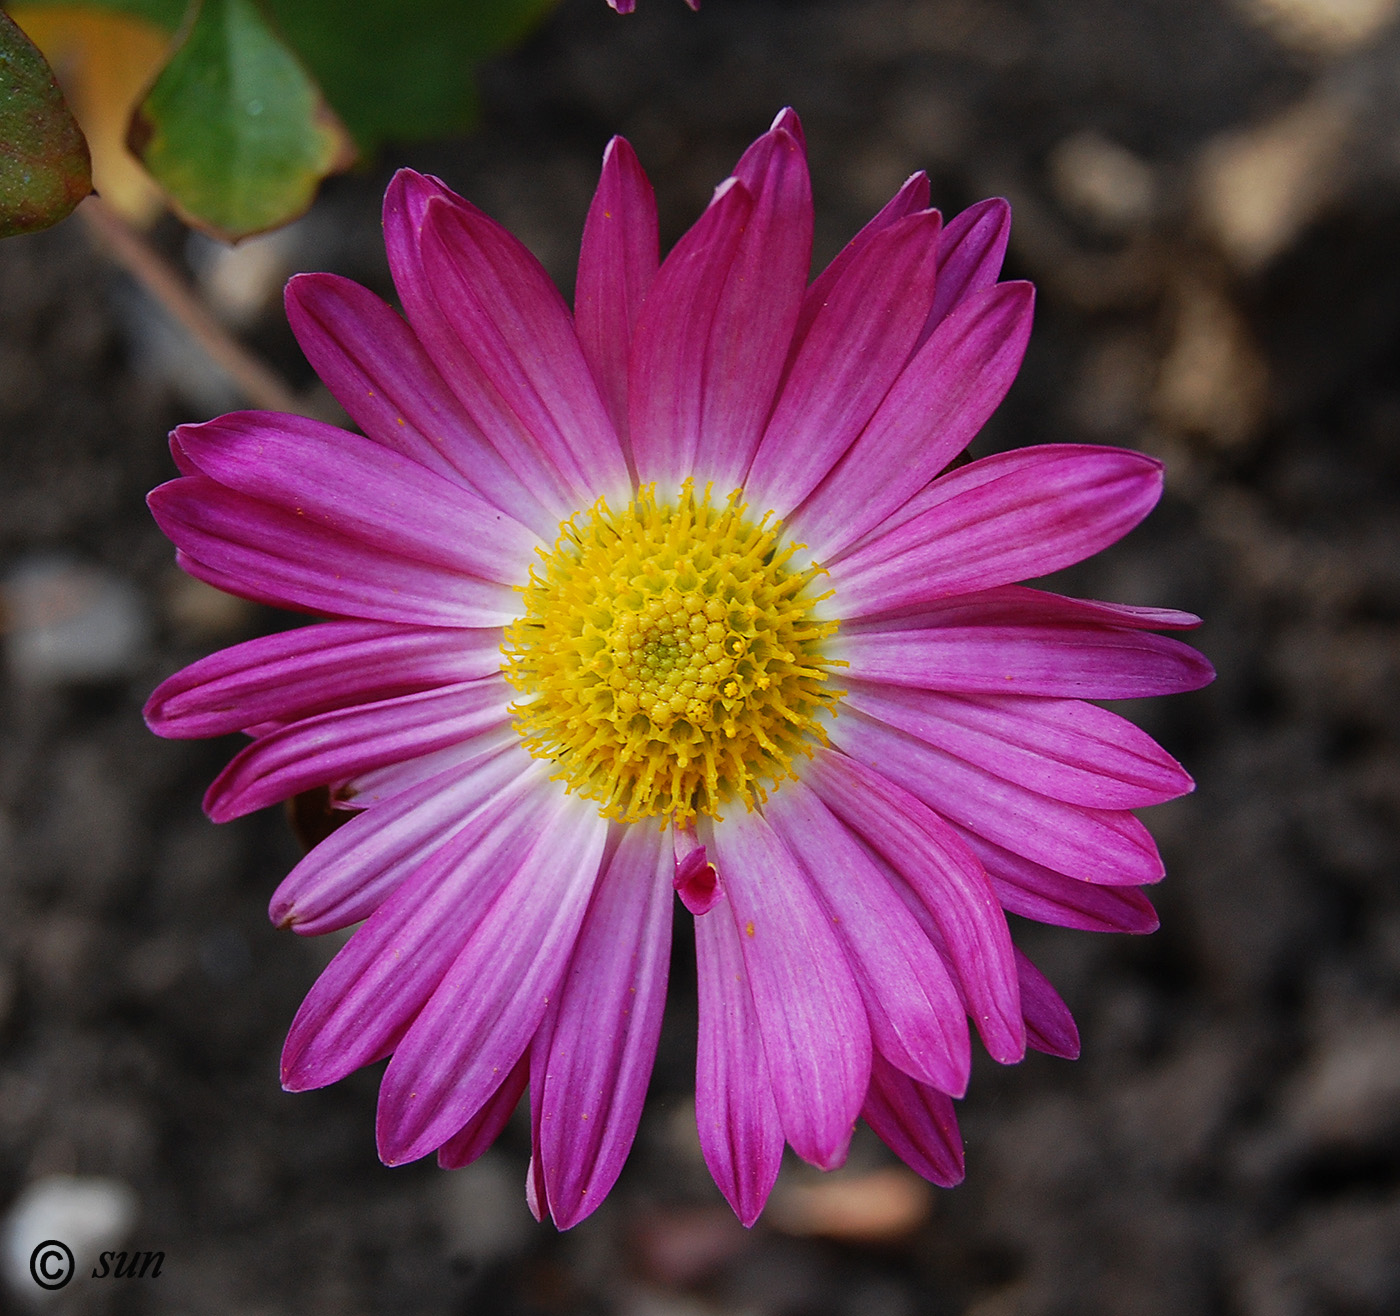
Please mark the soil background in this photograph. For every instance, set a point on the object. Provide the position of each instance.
(1206, 194)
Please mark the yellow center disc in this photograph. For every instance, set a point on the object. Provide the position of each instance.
(668, 658)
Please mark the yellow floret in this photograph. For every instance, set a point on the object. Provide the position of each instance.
(668, 658)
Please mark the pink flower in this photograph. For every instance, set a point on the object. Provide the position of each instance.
(627, 6)
(683, 590)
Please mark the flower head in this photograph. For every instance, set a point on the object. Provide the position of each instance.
(686, 590)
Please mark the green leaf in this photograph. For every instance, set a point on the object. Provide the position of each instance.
(403, 71)
(393, 70)
(44, 166)
(234, 129)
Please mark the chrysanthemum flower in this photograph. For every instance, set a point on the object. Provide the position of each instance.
(684, 591)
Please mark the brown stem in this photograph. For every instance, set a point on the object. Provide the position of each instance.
(258, 382)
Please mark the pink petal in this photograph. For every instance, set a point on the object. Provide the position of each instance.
(970, 253)
(406, 205)
(376, 985)
(917, 1019)
(602, 1030)
(997, 521)
(947, 879)
(482, 1015)
(355, 487)
(374, 365)
(616, 266)
(1063, 748)
(353, 871)
(332, 746)
(854, 349)
(757, 308)
(1031, 890)
(1072, 662)
(1019, 605)
(311, 669)
(713, 337)
(1049, 1024)
(670, 346)
(933, 411)
(273, 555)
(479, 1132)
(916, 1122)
(1097, 845)
(519, 337)
(741, 1135)
(911, 198)
(815, 1030)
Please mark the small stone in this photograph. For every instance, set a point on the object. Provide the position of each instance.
(69, 622)
(86, 1215)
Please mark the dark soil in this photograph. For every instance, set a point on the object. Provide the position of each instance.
(1229, 1143)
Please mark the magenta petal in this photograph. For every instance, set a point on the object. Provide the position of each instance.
(482, 1015)
(616, 266)
(1097, 845)
(756, 311)
(517, 332)
(933, 411)
(273, 555)
(1063, 748)
(1033, 891)
(970, 253)
(375, 986)
(916, 1122)
(853, 351)
(917, 1020)
(353, 871)
(376, 368)
(1072, 662)
(998, 521)
(406, 205)
(602, 1031)
(947, 879)
(816, 1034)
(909, 200)
(479, 1132)
(1049, 1025)
(671, 344)
(741, 1135)
(1019, 605)
(332, 746)
(355, 487)
(312, 669)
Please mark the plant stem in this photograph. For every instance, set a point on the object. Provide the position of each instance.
(259, 383)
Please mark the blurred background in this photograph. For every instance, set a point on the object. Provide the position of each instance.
(1206, 193)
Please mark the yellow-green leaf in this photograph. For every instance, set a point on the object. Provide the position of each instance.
(234, 129)
(44, 166)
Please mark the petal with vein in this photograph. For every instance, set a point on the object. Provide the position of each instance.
(815, 1031)
(947, 880)
(332, 746)
(617, 263)
(311, 669)
(602, 1030)
(741, 1135)
(1097, 845)
(482, 1015)
(273, 555)
(917, 1019)
(1063, 748)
